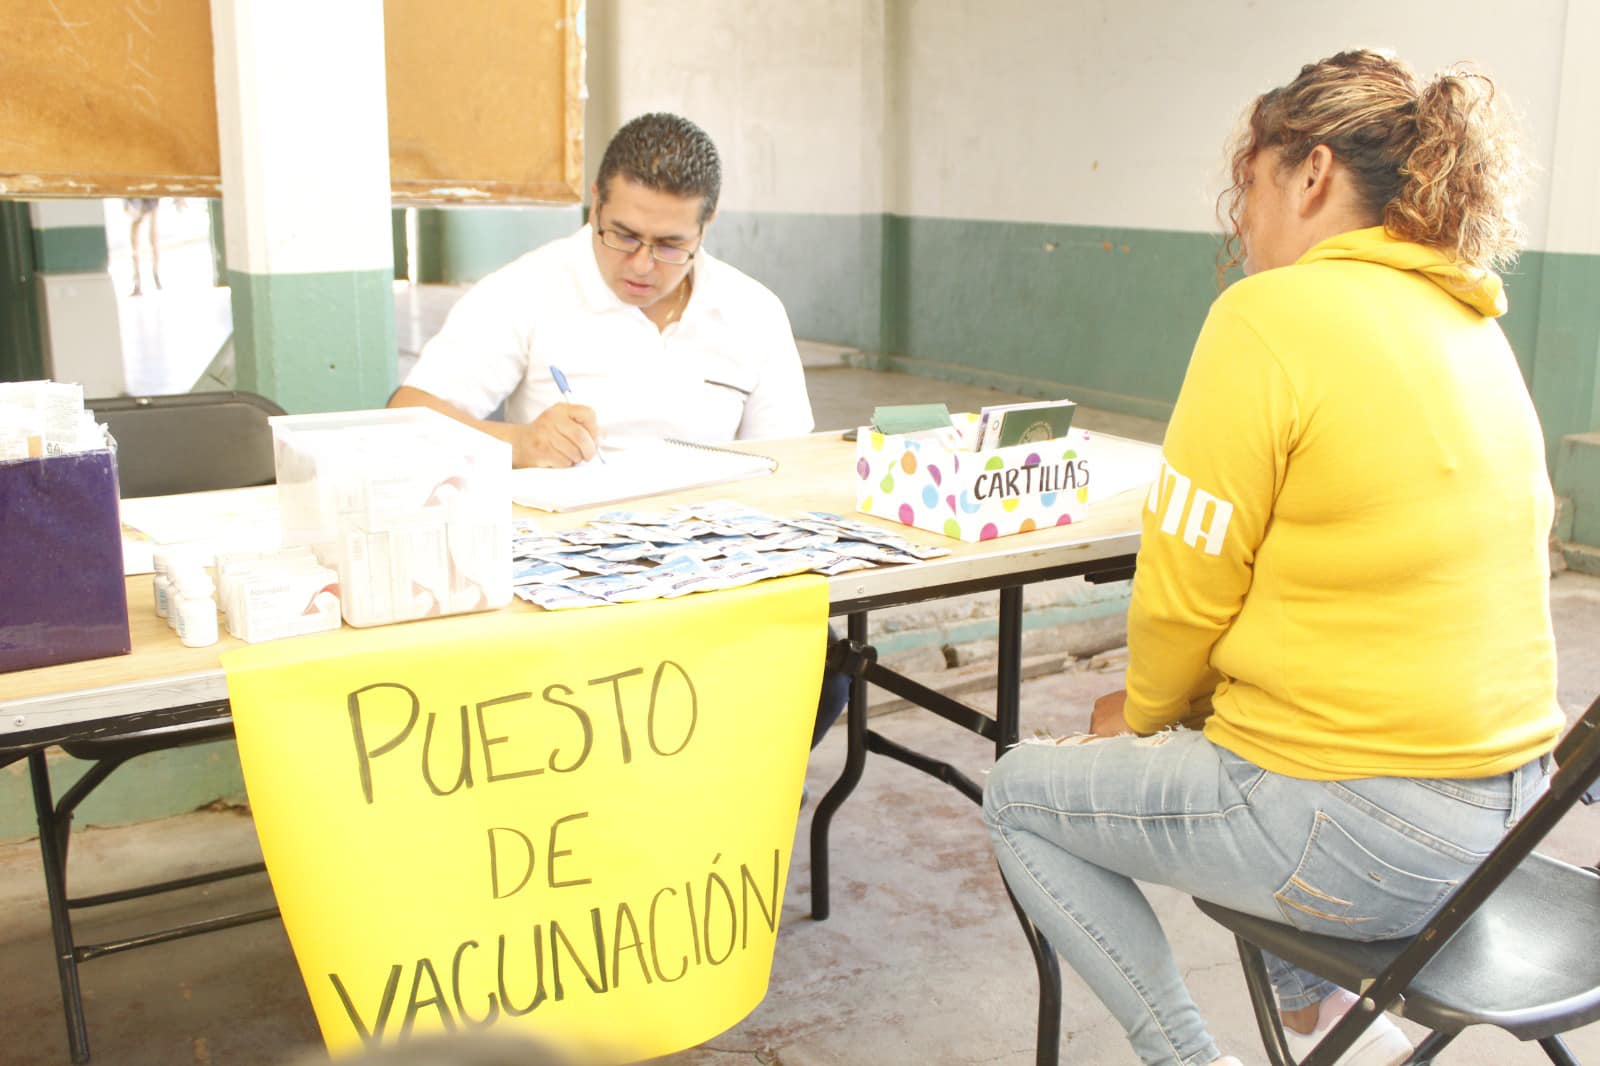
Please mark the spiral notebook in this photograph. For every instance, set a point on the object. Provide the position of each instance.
(647, 468)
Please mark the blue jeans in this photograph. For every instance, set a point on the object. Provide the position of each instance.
(1075, 826)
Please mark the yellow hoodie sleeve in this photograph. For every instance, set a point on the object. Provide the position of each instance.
(1223, 462)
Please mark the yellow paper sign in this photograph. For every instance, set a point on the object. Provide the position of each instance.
(576, 823)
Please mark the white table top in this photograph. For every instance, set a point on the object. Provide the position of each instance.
(816, 473)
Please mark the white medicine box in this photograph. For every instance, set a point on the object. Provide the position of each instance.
(413, 509)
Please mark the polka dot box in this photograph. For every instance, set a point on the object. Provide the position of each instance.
(982, 495)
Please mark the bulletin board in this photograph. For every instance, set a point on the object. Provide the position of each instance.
(103, 98)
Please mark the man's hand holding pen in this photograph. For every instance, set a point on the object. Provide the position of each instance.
(563, 435)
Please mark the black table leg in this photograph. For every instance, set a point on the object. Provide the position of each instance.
(1008, 716)
(1047, 1048)
(1008, 723)
(60, 920)
(854, 763)
(1008, 672)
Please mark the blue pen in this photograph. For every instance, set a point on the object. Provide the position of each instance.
(566, 394)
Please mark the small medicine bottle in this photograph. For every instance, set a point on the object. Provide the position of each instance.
(196, 610)
(161, 583)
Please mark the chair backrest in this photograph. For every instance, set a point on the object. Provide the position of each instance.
(1577, 768)
(193, 442)
(1583, 728)
(1578, 754)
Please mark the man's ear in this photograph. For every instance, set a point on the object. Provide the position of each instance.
(594, 196)
(709, 219)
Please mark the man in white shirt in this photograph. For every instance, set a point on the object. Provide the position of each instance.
(654, 336)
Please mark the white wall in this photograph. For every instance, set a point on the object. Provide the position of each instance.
(791, 92)
(1574, 176)
(1115, 112)
(1089, 112)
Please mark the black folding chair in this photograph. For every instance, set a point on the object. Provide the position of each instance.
(1514, 946)
(191, 442)
(165, 444)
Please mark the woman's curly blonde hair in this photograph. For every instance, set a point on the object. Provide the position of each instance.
(1437, 163)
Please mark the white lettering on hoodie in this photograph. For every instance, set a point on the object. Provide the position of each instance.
(1208, 515)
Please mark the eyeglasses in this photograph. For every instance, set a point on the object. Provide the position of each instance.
(628, 244)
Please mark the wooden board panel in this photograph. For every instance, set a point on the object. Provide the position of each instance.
(464, 129)
(117, 98)
(107, 98)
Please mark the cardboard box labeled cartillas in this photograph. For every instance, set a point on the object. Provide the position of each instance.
(975, 496)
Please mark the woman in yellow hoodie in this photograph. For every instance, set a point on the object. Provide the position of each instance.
(1344, 574)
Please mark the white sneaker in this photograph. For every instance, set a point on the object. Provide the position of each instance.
(1380, 1044)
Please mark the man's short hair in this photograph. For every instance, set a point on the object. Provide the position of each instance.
(667, 153)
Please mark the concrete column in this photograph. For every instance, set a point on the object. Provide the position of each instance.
(1566, 373)
(603, 71)
(76, 301)
(1574, 225)
(303, 125)
(21, 333)
(1566, 378)
(878, 51)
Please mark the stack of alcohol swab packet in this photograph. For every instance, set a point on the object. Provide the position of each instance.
(44, 418)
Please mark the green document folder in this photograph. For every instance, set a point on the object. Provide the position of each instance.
(910, 417)
(1027, 423)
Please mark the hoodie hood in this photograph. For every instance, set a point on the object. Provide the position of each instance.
(1479, 289)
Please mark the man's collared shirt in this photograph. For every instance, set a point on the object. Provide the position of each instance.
(726, 369)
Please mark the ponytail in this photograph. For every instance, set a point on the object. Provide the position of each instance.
(1464, 176)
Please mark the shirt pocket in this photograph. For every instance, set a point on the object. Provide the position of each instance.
(721, 391)
(1340, 888)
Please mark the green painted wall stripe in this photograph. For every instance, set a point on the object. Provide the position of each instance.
(1578, 479)
(402, 251)
(825, 268)
(1521, 322)
(155, 785)
(1566, 349)
(316, 342)
(1106, 315)
(456, 246)
(71, 250)
(21, 328)
(219, 243)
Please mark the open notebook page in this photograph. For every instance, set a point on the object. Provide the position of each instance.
(643, 468)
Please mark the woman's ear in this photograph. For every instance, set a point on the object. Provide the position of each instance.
(1314, 180)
